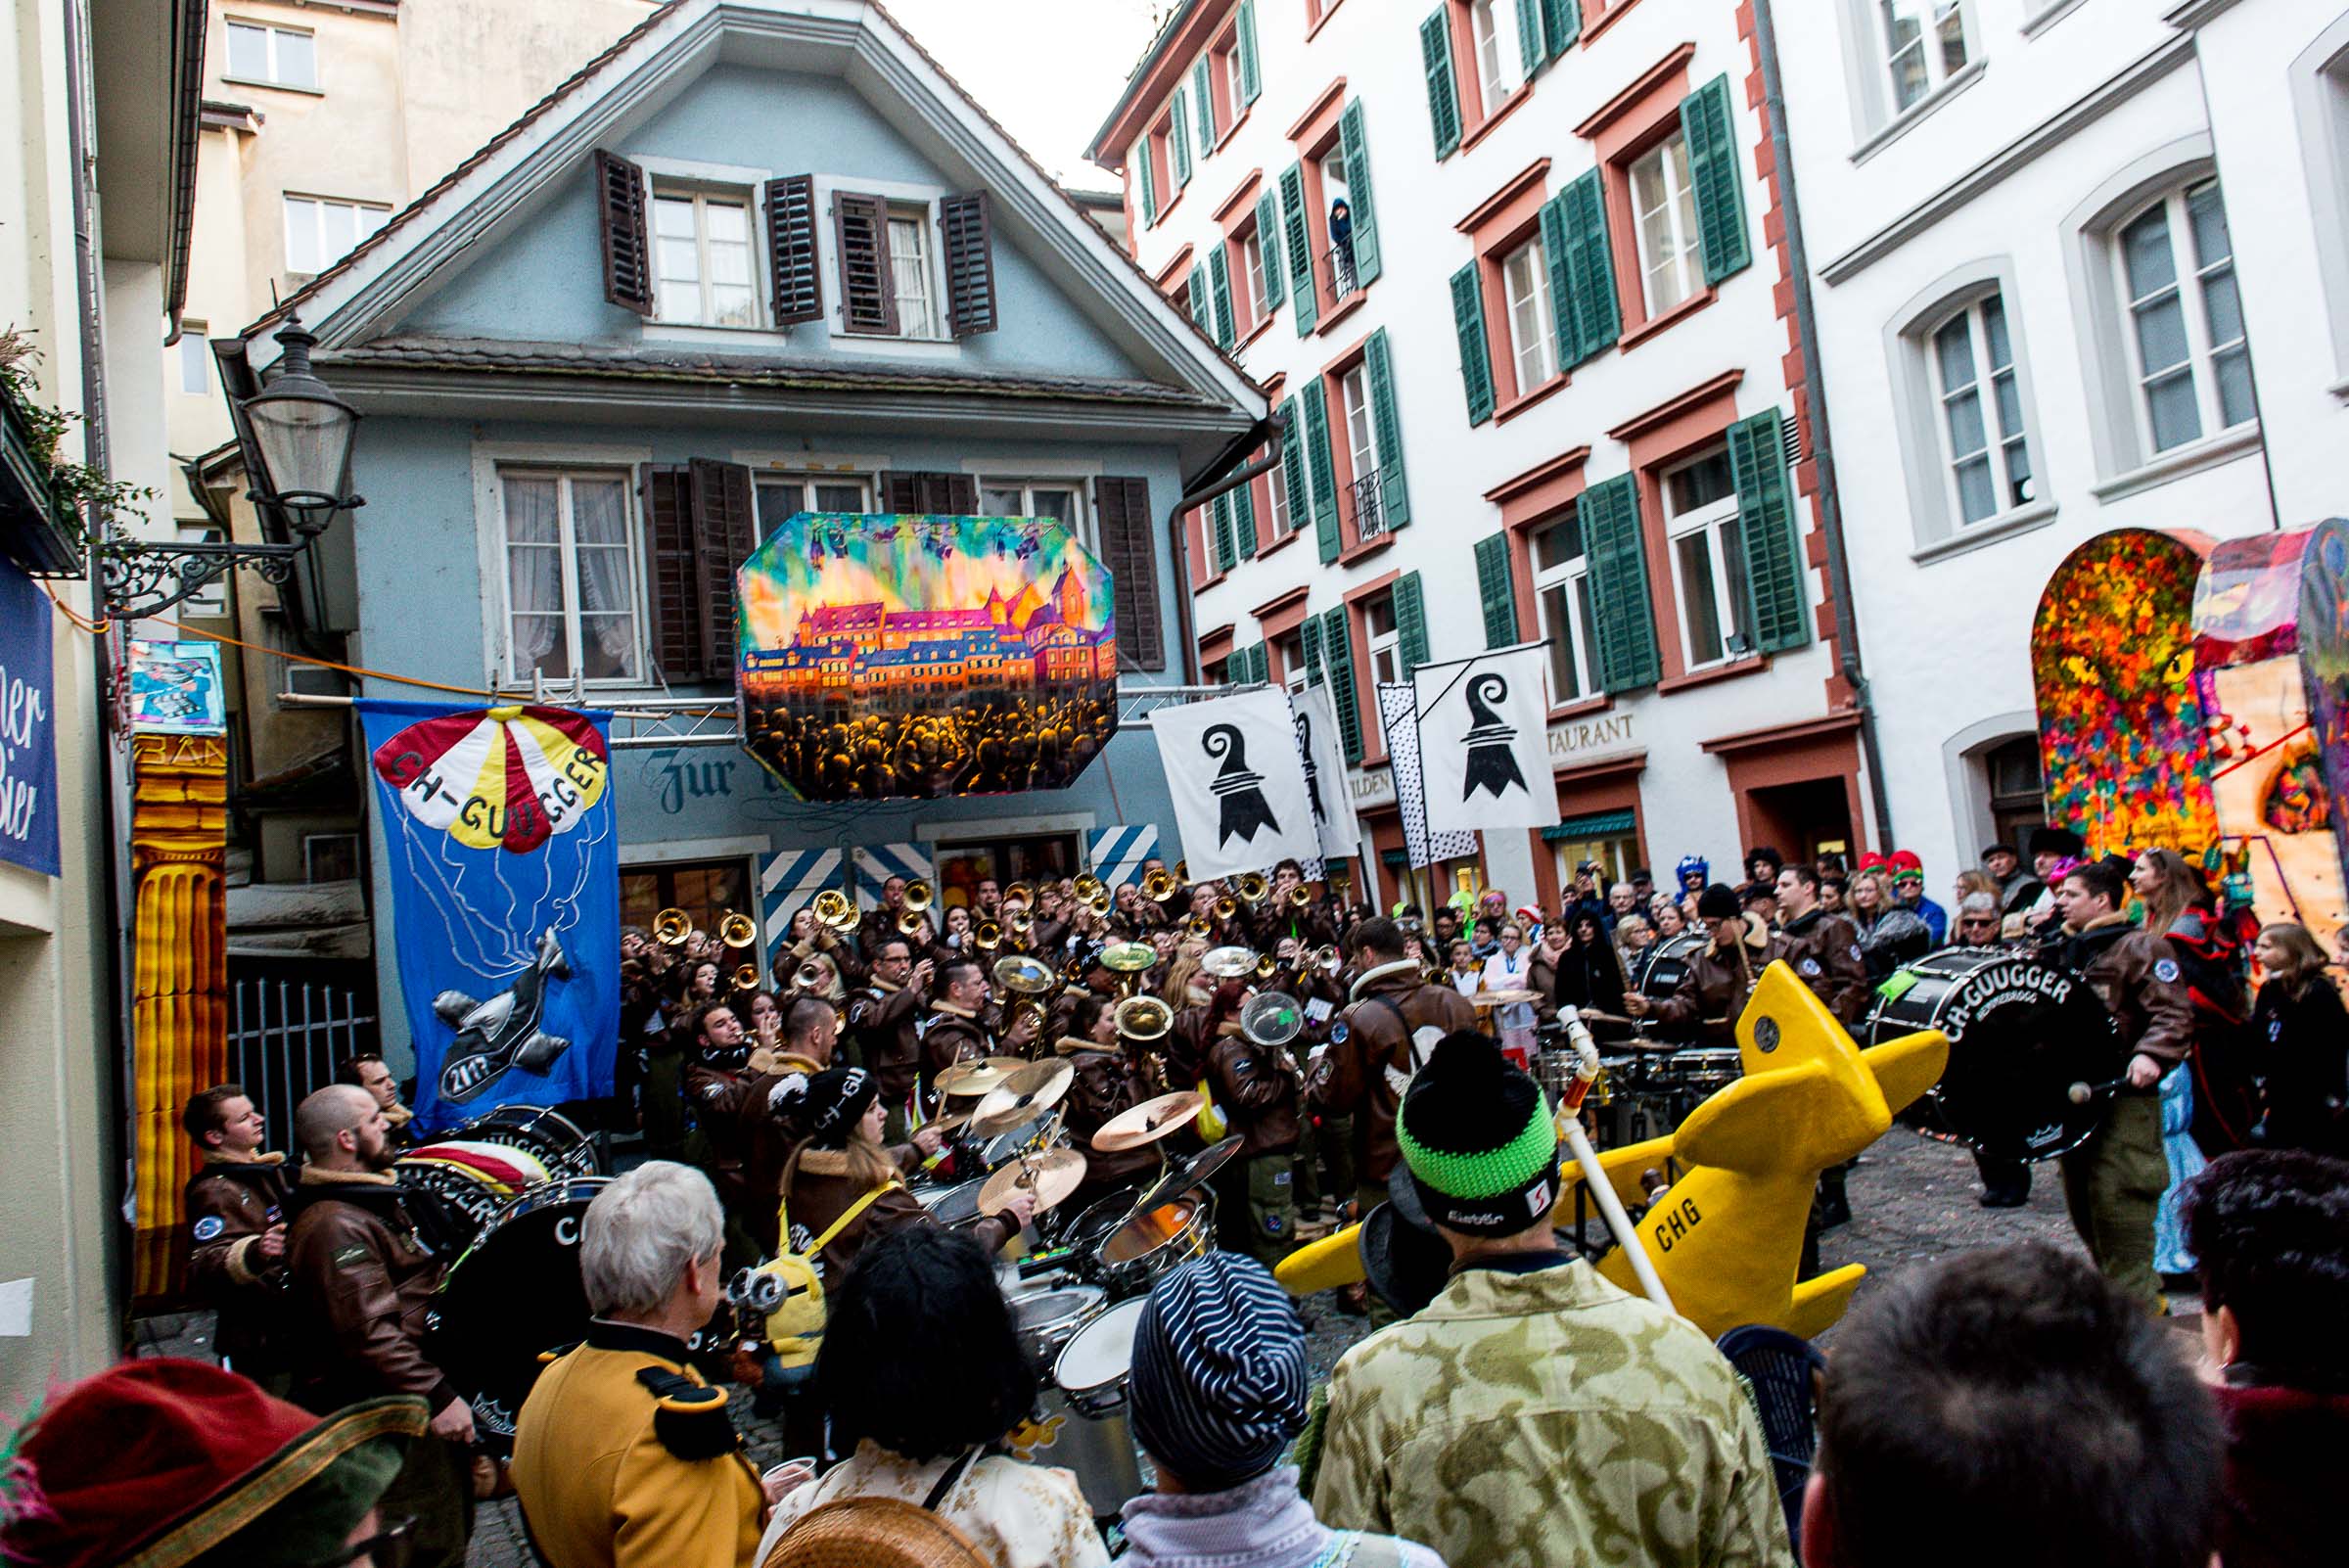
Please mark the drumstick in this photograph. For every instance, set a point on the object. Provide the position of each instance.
(2082, 1093)
(1602, 1190)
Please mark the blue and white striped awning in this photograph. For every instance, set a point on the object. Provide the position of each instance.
(876, 863)
(787, 882)
(1116, 854)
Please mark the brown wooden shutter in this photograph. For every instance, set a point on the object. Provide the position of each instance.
(722, 537)
(627, 245)
(1129, 550)
(911, 491)
(791, 248)
(970, 263)
(868, 295)
(665, 492)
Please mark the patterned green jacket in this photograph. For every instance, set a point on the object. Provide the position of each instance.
(1547, 1419)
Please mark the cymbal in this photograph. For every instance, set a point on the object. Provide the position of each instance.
(1192, 1171)
(980, 1076)
(1052, 1176)
(1148, 1122)
(1023, 1096)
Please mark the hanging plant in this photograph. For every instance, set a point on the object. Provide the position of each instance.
(77, 491)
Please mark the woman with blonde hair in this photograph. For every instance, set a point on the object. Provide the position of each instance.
(2168, 888)
(1891, 934)
(2301, 1031)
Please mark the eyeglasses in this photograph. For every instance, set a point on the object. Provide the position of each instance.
(393, 1547)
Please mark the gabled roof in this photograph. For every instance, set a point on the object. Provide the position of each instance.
(358, 297)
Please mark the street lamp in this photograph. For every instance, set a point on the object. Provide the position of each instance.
(296, 439)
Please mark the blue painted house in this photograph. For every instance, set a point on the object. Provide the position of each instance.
(760, 256)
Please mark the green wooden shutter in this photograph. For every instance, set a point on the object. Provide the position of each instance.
(1562, 284)
(1141, 150)
(1218, 282)
(1337, 656)
(1218, 513)
(1203, 311)
(1498, 591)
(1443, 88)
(1476, 361)
(1561, 24)
(1626, 627)
(1178, 139)
(1712, 176)
(1590, 270)
(1394, 495)
(1411, 623)
(1324, 485)
(1300, 249)
(1243, 520)
(1530, 52)
(1204, 96)
(1250, 81)
(1358, 191)
(1308, 636)
(1268, 245)
(1774, 562)
(1292, 467)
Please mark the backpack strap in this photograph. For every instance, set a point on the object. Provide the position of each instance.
(847, 1217)
(947, 1481)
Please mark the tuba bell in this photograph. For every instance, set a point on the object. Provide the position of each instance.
(1143, 1018)
(1025, 976)
(1229, 963)
(737, 929)
(671, 928)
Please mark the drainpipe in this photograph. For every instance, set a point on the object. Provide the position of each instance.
(1822, 443)
(1217, 478)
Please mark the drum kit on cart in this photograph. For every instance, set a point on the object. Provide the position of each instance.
(1076, 1296)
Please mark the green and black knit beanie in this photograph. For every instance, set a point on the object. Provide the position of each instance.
(1478, 1137)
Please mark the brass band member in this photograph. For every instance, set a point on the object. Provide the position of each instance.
(880, 921)
(1365, 1074)
(885, 1024)
(955, 1028)
(1713, 993)
(1256, 1087)
(1109, 1080)
(1824, 948)
(767, 1133)
(236, 1207)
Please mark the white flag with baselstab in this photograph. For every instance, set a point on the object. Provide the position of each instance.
(1238, 784)
(1326, 795)
(1484, 741)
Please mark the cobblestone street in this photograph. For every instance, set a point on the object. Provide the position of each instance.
(1912, 1200)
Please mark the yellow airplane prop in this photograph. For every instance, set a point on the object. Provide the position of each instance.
(1727, 1238)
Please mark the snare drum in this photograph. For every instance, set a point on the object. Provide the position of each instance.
(1705, 1070)
(1029, 1138)
(954, 1206)
(1129, 1257)
(1086, 1426)
(511, 1294)
(1046, 1320)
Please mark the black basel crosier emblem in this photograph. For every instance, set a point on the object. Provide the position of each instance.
(1312, 774)
(1491, 738)
(1244, 805)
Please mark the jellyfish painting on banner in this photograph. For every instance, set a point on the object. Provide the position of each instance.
(2121, 734)
(502, 860)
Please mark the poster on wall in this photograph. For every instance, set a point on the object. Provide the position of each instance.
(2274, 807)
(175, 689)
(2324, 639)
(27, 727)
(502, 854)
(894, 657)
(2121, 735)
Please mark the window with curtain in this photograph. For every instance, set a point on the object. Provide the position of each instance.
(2184, 318)
(1708, 558)
(1494, 25)
(1983, 439)
(1252, 268)
(573, 601)
(909, 269)
(1278, 480)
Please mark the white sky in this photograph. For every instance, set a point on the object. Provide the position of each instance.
(1046, 70)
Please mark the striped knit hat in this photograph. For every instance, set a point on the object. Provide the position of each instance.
(1218, 1371)
(1479, 1139)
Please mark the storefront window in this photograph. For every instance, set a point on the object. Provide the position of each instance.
(963, 866)
(706, 890)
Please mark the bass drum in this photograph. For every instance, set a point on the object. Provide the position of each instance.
(510, 1295)
(2022, 1034)
(548, 1133)
(1668, 964)
(485, 1164)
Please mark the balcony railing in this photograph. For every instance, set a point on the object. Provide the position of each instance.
(1339, 282)
(1366, 500)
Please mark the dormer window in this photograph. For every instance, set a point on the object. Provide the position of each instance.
(909, 272)
(702, 241)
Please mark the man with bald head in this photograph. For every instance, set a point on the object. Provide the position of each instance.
(362, 1266)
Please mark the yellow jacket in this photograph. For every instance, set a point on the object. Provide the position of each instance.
(620, 1470)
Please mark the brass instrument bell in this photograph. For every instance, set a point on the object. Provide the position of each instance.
(1267, 967)
(1300, 896)
(1157, 887)
(836, 909)
(1029, 977)
(1253, 887)
(1225, 908)
(1143, 1018)
(811, 976)
(1090, 886)
(671, 928)
(1101, 901)
(919, 896)
(746, 977)
(1325, 956)
(911, 920)
(1229, 963)
(1019, 923)
(1196, 925)
(1183, 871)
(1020, 893)
(1128, 957)
(986, 935)
(737, 929)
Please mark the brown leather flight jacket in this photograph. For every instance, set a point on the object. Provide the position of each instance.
(948, 1038)
(229, 1204)
(880, 1023)
(2135, 973)
(362, 1274)
(1713, 993)
(1393, 1003)
(1106, 1083)
(1824, 950)
(1256, 1092)
(821, 1191)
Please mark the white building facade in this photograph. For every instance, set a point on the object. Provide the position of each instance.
(2075, 265)
(1513, 273)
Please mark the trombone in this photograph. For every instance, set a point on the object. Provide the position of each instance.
(672, 928)
(737, 929)
(1157, 887)
(1253, 887)
(836, 909)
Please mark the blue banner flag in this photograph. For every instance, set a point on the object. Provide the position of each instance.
(502, 853)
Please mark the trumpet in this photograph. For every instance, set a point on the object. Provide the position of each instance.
(1196, 925)
(1100, 901)
(1300, 896)
(671, 928)
(1019, 923)
(746, 977)
(737, 929)
(986, 935)
(1267, 967)
(1157, 887)
(911, 920)
(1089, 887)
(1020, 893)
(811, 976)
(836, 909)
(919, 896)
(1183, 871)
(1253, 887)
(1325, 956)
(1225, 908)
